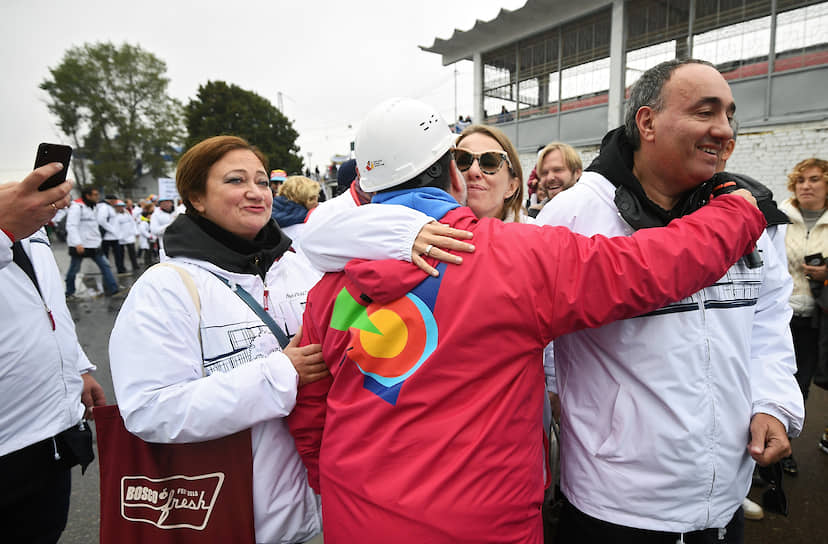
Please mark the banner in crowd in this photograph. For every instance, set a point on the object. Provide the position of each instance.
(166, 189)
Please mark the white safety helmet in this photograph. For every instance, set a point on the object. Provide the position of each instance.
(398, 140)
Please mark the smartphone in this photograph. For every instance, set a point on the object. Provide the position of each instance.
(49, 153)
(815, 259)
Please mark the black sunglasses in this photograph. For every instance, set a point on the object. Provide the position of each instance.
(489, 161)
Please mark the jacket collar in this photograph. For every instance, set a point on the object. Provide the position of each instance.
(429, 200)
(195, 237)
(287, 212)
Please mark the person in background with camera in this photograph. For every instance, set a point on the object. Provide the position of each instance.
(43, 370)
(146, 241)
(84, 240)
(806, 243)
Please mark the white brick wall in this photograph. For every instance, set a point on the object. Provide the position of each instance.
(766, 153)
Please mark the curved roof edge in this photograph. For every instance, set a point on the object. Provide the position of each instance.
(509, 26)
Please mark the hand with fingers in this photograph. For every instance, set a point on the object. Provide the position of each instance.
(435, 240)
(768, 440)
(816, 273)
(307, 360)
(92, 396)
(24, 209)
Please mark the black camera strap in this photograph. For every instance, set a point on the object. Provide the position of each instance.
(22, 260)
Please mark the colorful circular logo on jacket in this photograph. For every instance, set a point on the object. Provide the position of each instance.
(404, 335)
(390, 341)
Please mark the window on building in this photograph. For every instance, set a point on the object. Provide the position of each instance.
(529, 72)
(641, 60)
(570, 63)
(801, 35)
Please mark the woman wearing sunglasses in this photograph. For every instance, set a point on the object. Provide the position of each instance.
(494, 188)
(491, 168)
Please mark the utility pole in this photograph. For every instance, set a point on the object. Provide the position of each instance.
(455, 92)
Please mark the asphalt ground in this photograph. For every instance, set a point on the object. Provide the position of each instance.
(807, 522)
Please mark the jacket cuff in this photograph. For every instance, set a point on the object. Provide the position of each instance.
(792, 427)
(415, 225)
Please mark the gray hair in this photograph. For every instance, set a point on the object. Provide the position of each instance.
(647, 91)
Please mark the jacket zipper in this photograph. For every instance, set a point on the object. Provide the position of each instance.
(49, 313)
(57, 344)
(266, 293)
(707, 380)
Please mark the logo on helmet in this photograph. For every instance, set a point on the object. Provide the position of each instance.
(370, 165)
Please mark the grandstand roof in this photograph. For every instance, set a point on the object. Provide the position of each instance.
(510, 26)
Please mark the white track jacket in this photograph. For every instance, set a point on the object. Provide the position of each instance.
(157, 363)
(656, 409)
(40, 366)
(82, 228)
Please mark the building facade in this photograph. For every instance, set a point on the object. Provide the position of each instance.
(558, 70)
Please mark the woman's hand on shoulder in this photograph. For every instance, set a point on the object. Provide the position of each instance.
(307, 360)
(434, 240)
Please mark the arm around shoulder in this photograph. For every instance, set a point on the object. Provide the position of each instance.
(334, 236)
(621, 277)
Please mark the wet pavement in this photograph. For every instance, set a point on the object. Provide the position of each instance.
(807, 493)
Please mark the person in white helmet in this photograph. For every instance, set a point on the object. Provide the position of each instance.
(428, 428)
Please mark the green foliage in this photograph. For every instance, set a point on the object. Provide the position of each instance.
(222, 109)
(112, 102)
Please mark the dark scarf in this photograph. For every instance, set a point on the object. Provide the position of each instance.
(615, 162)
(195, 237)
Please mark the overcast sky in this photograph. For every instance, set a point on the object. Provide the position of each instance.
(331, 60)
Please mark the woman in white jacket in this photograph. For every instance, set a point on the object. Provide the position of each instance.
(186, 376)
(806, 243)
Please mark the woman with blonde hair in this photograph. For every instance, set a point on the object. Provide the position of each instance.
(301, 190)
(494, 177)
(297, 196)
(490, 166)
(806, 244)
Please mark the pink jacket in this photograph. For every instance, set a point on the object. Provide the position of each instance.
(429, 428)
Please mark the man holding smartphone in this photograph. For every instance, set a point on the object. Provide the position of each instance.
(84, 240)
(43, 370)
